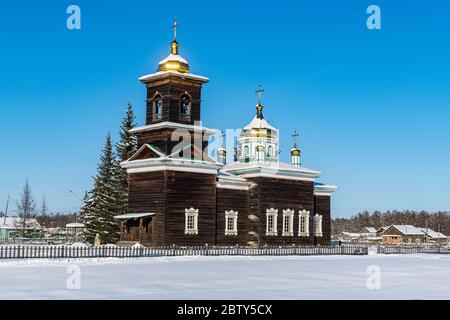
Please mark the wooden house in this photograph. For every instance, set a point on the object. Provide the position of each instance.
(179, 195)
(406, 234)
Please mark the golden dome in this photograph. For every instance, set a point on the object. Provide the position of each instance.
(295, 151)
(174, 62)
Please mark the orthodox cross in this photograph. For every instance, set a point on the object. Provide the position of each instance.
(294, 138)
(259, 92)
(174, 27)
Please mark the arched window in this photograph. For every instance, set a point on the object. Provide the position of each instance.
(246, 151)
(185, 107)
(270, 151)
(157, 107)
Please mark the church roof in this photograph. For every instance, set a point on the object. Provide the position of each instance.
(258, 123)
(276, 169)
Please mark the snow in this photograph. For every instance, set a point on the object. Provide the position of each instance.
(432, 234)
(258, 123)
(75, 225)
(134, 215)
(313, 277)
(408, 230)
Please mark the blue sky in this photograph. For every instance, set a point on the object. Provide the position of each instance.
(371, 107)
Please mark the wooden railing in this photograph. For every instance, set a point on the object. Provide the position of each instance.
(48, 252)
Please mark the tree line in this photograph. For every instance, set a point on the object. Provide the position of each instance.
(434, 220)
(107, 198)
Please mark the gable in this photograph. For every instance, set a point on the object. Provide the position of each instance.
(147, 151)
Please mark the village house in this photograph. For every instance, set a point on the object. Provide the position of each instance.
(397, 234)
(11, 226)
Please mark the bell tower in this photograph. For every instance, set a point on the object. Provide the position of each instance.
(173, 102)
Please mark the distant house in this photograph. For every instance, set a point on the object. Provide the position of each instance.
(397, 234)
(381, 230)
(368, 232)
(9, 226)
(434, 236)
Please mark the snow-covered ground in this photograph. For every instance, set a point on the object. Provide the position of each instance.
(313, 277)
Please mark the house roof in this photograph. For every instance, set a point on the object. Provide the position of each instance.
(370, 229)
(408, 230)
(433, 234)
(15, 223)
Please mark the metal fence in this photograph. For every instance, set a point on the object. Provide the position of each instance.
(50, 252)
(412, 249)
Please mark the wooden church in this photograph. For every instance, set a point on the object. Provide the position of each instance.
(180, 195)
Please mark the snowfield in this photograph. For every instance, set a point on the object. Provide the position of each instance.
(311, 277)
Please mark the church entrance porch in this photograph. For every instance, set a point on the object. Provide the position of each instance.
(137, 228)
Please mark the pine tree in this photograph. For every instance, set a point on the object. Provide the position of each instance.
(125, 149)
(105, 200)
(88, 218)
(128, 143)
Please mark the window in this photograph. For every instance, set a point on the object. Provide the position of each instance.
(270, 151)
(191, 226)
(271, 222)
(185, 112)
(318, 225)
(231, 218)
(157, 107)
(246, 151)
(303, 223)
(288, 222)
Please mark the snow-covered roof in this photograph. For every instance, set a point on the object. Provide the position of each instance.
(432, 234)
(14, 223)
(281, 169)
(408, 230)
(163, 74)
(134, 215)
(75, 225)
(370, 229)
(258, 123)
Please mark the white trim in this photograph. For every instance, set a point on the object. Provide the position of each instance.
(272, 212)
(277, 176)
(164, 74)
(222, 185)
(175, 125)
(134, 216)
(318, 232)
(231, 215)
(288, 213)
(171, 168)
(324, 190)
(303, 214)
(191, 213)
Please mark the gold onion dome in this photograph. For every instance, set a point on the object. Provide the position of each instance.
(295, 151)
(174, 62)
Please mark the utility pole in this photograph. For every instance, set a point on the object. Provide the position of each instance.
(6, 211)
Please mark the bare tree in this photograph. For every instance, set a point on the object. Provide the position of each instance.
(26, 206)
(44, 207)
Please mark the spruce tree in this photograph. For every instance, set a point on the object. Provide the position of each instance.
(88, 218)
(105, 200)
(127, 145)
(125, 149)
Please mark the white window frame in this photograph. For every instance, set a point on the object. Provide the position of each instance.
(288, 216)
(303, 214)
(274, 213)
(231, 215)
(318, 232)
(191, 213)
